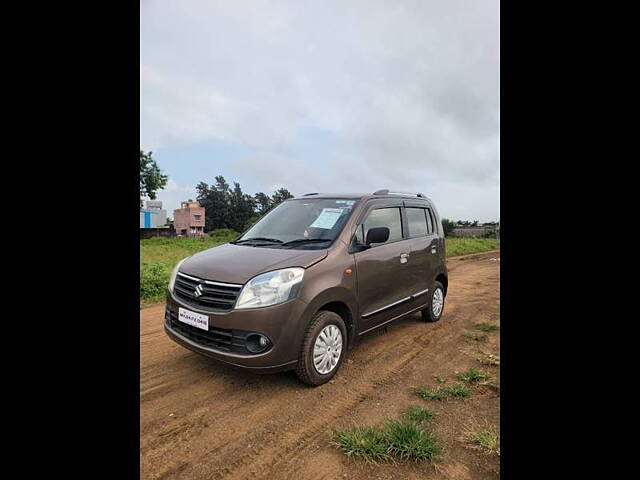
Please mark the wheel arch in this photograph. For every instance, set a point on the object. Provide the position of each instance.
(444, 280)
(341, 302)
(341, 308)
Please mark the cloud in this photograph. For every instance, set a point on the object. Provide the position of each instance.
(407, 91)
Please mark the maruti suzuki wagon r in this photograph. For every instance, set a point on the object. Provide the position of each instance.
(298, 289)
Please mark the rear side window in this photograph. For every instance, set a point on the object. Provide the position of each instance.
(383, 217)
(430, 221)
(417, 220)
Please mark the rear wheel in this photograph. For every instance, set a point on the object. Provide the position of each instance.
(434, 309)
(323, 348)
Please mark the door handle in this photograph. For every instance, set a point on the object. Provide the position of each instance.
(404, 257)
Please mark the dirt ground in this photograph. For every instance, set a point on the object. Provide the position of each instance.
(200, 419)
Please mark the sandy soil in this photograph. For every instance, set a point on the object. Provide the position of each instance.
(203, 420)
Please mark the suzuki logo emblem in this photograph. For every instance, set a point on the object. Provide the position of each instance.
(198, 291)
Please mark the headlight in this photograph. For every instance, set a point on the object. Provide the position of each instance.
(174, 274)
(270, 288)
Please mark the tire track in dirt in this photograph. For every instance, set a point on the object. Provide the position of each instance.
(284, 453)
(296, 434)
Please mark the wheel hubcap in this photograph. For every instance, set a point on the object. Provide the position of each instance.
(327, 349)
(437, 302)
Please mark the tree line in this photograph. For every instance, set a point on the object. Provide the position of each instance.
(449, 225)
(227, 207)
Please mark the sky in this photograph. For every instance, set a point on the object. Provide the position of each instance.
(325, 96)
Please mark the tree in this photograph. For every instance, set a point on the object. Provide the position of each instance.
(263, 202)
(215, 200)
(243, 207)
(280, 196)
(448, 226)
(151, 177)
(231, 208)
(225, 207)
(203, 196)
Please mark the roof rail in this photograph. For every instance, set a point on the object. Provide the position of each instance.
(307, 194)
(387, 192)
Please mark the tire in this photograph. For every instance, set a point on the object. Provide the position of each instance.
(428, 314)
(306, 369)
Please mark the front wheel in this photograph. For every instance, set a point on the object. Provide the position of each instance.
(323, 348)
(434, 309)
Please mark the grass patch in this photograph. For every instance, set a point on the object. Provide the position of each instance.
(472, 376)
(418, 414)
(367, 443)
(170, 250)
(408, 441)
(486, 327)
(476, 337)
(159, 255)
(402, 439)
(464, 246)
(485, 438)
(456, 390)
(440, 379)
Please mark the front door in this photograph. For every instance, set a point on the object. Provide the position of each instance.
(384, 270)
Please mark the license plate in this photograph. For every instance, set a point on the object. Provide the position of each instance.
(194, 319)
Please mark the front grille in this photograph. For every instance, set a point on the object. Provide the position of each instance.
(223, 339)
(215, 297)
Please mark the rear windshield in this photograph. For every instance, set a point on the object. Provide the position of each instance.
(306, 223)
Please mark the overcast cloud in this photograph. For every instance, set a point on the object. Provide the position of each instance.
(331, 96)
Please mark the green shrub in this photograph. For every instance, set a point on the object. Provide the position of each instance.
(154, 278)
(223, 234)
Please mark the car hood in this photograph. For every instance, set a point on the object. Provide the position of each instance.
(240, 263)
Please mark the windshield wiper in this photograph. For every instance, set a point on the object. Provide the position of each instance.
(259, 239)
(305, 240)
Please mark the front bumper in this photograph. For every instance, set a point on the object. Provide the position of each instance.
(283, 324)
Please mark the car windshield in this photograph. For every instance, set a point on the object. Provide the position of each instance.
(300, 224)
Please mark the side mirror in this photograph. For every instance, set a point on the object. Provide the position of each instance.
(377, 235)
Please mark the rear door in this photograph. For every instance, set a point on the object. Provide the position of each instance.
(424, 246)
(383, 271)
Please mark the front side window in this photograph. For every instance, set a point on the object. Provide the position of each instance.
(417, 220)
(383, 217)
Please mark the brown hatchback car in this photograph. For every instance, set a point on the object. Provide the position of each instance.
(315, 273)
